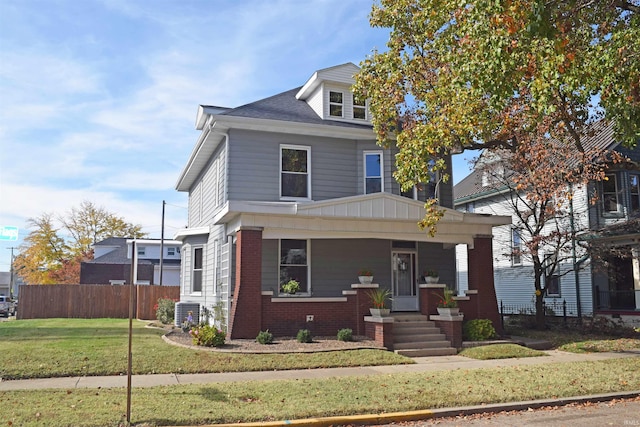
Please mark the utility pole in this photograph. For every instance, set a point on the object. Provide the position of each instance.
(162, 242)
(11, 279)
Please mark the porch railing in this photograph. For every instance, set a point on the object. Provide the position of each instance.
(616, 300)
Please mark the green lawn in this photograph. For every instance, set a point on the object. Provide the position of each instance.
(46, 348)
(295, 399)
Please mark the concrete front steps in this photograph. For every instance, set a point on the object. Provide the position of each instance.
(414, 335)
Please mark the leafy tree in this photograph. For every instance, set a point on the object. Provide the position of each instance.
(525, 77)
(537, 184)
(43, 251)
(485, 74)
(46, 257)
(90, 224)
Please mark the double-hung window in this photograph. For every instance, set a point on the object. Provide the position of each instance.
(634, 191)
(359, 108)
(516, 247)
(336, 104)
(610, 198)
(553, 286)
(196, 270)
(294, 263)
(142, 250)
(295, 170)
(171, 251)
(373, 182)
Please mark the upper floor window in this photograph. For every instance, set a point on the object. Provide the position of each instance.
(171, 251)
(610, 194)
(516, 247)
(373, 182)
(294, 172)
(335, 104)
(359, 108)
(294, 262)
(634, 191)
(142, 251)
(196, 271)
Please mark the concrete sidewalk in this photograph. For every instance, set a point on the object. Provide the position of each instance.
(423, 364)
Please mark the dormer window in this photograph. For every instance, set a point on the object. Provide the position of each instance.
(359, 108)
(335, 104)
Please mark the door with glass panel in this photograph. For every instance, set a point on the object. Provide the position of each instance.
(404, 281)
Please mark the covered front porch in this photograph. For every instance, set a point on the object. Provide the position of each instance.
(376, 231)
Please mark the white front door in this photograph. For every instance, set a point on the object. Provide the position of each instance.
(404, 281)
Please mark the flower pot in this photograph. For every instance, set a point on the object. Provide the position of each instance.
(448, 311)
(365, 280)
(431, 279)
(379, 312)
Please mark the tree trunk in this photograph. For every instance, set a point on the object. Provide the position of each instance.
(540, 324)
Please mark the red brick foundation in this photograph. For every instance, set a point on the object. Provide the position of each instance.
(246, 311)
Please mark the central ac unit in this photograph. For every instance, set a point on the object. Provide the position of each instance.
(182, 311)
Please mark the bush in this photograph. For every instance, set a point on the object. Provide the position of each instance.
(264, 337)
(478, 330)
(345, 335)
(208, 336)
(165, 310)
(304, 335)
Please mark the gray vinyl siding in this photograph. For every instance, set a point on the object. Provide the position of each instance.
(207, 194)
(433, 256)
(255, 169)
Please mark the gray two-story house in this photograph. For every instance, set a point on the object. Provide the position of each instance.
(294, 186)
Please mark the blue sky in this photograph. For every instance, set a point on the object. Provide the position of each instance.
(98, 98)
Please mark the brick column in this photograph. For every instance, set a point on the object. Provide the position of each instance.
(246, 311)
(481, 280)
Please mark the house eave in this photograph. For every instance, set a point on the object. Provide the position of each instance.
(380, 215)
(193, 231)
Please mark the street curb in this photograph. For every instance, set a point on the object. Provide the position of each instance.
(435, 413)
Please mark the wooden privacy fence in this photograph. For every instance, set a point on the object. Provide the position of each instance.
(91, 301)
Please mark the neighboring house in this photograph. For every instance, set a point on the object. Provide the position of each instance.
(294, 186)
(612, 221)
(111, 262)
(5, 283)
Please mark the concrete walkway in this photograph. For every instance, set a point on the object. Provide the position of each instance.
(423, 364)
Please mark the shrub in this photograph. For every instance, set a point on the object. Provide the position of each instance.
(165, 310)
(208, 336)
(478, 330)
(345, 335)
(304, 335)
(264, 337)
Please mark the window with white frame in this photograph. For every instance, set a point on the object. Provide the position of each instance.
(373, 182)
(294, 263)
(335, 104)
(295, 168)
(196, 269)
(359, 108)
(610, 194)
(171, 251)
(142, 250)
(634, 191)
(516, 247)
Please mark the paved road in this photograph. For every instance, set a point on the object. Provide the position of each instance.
(623, 413)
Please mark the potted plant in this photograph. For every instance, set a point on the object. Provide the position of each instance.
(365, 276)
(379, 298)
(447, 305)
(291, 287)
(431, 276)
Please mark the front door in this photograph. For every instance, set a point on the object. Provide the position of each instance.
(404, 282)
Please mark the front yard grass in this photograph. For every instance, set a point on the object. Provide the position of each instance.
(295, 399)
(45, 348)
(500, 351)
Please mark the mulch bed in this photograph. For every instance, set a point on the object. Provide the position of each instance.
(279, 345)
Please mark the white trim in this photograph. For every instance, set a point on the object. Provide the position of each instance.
(302, 298)
(364, 169)
(299, 148)
(186, 232)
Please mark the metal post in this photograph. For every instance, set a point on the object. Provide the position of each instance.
(134, 261)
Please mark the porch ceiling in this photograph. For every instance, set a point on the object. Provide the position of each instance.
(380, 216)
